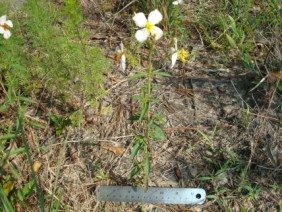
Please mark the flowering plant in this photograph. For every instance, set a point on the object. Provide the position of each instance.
(5, 26)
(148, 26)
(182, 54)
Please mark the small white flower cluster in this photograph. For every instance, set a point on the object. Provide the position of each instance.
(5, 26)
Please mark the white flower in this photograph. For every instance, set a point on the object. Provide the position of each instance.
(5, 25)
(148, 26)
(182, 54)
(178, 2)
(121, 57)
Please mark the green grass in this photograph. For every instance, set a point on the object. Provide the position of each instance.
(48, 47)
(48, 51)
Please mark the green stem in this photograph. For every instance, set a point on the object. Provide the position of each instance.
(150, 69)
(148, 97)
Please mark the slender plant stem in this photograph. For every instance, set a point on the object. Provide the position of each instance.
(148, 119)
(150, 68)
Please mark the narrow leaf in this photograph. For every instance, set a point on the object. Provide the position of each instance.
(144, 110)
(6, 204)
(134, 118)
(16, 151)
(212, 197)
(36, 124)
(24, 99)
(134, 171)
(135, 150)
(142, 74)
(7, 136)
(233, 25)
(55, 119)
(231, 41)
(204, 178)
(204, 135)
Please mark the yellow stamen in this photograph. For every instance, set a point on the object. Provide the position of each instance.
(183, 55)
(5, 26)
(149, 26)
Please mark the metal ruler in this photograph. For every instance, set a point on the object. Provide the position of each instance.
(153, 195)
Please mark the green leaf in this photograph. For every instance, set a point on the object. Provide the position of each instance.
(17, 67)
(212, 197)
(134, 171)
(242, 38)
(28, 188)
(36, 124)
(7, 136)
(8, 187)
(57, 203)
(134, 118)
(135, 149)
(142, 74)
(231, 41)
(55, 119)
(233, 25)
(20, 195)
(210, 160)
(160, 73)
(16, 151)
(5, 202)
(144, 110)
(158, 132)
(24, 99)
(205, 136)
(204, 178)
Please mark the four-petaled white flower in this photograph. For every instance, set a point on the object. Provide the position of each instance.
(5, 26)
(121, 57)
(148, 26)
(182, 54)
(178, 2)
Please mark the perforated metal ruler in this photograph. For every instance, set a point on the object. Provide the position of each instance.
(153, 195)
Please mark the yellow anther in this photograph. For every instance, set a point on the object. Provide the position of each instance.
(183, 55)
(149, 26)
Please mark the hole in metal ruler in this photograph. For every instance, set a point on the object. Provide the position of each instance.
(198, 196)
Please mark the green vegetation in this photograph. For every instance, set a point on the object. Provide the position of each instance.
(48, 52)
(48, 48)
